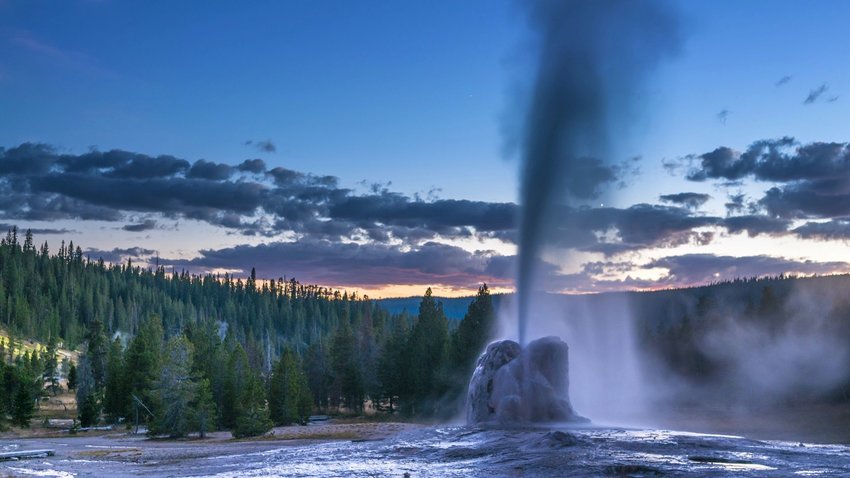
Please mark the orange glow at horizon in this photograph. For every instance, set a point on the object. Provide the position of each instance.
(390, 291)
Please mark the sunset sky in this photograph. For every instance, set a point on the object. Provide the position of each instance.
(371, 145)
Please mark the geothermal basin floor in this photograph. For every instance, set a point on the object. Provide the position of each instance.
(394, 449)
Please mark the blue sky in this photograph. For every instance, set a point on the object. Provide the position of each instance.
(412, 95)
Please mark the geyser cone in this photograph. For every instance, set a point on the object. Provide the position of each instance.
(515, 385)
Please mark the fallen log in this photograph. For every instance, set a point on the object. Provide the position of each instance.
(22, 454)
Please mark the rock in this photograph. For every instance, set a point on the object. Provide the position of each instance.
(499, 353)
(511, 385)
(560, 439)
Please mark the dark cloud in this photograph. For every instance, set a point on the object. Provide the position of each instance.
(27, 159)
(692, 269)
(360, 265)
(265, 146)
(815, 94)
(735, 205)
(36, 230)
(39, 184)
(755, 225)
(612, 230)
(119, 255)
(146, 167)
(778, 161)
(783, 81)
(805, 201)
(146, 225)
(398, 210)
(836, 229)
(256, 166)
(689, 200)
(167, 195)
(203, 169)
(723, 162)
(814, 178)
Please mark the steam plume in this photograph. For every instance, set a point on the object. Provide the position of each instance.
(592, 57)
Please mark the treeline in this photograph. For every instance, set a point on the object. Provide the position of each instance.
(44, 295)
(196, 381)
(184, 353)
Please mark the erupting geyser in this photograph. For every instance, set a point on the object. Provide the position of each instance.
(512, 385)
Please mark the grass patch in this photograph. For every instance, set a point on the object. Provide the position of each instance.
(106, 452)
(307, 435)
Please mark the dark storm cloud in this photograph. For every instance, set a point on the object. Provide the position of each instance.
(364, 265)
(146, 225)
(703, 268)
(815, 94)
(689, 200)
(203, 169)
(265, 146)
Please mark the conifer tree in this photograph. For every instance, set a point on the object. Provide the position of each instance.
(174, 390)
(88, 401)
(427, 348)
(318, 373)
(116, 397)
(203, 408)
(23, 406)
(289, 398)
(473, 332)
(348, 385)
(72, 376)
(142, 360)
(96, 351)
(392, 365)
(51, 364)
(252, 414)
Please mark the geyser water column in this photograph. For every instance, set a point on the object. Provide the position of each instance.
(592, 57)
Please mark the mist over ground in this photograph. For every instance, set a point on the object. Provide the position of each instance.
(734, 349)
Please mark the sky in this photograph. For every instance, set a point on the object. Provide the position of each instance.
(371, 145)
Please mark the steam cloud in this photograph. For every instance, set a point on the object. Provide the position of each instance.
(592, 58)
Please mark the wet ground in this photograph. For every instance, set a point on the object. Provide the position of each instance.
(396, 450)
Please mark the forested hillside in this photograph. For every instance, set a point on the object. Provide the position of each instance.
(190, 353)
(183, 353)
